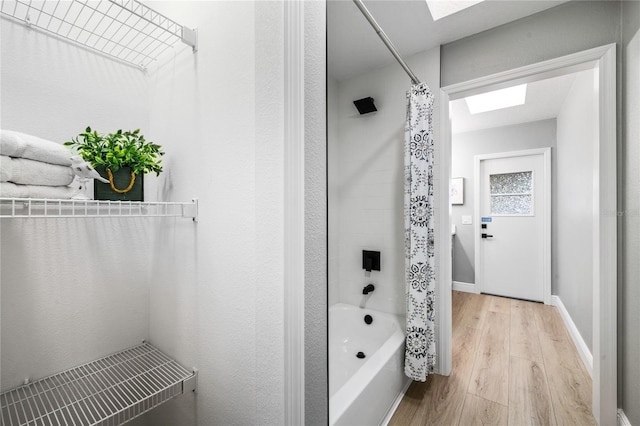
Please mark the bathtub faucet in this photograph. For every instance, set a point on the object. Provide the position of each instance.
(368, 289)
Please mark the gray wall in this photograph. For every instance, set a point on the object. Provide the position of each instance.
(465, 146)
(562, 30)
(629, 288)
(333, 186)
(572, 260)
(566, 29)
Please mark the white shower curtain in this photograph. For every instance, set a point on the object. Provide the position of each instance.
(420, 353)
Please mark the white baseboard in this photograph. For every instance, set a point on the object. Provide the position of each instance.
(395, 405)
(622, 418)
(466, 287)
(583, 349)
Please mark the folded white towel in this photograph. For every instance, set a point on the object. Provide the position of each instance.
(11, 190)
(16, 144)
(30, 172)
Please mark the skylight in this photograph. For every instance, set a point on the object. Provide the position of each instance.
(498, 99)
(442, 8)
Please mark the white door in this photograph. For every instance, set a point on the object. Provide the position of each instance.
(513, 224)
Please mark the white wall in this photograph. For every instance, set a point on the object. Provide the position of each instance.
(54, 90)
(537, 134)
(629, 290)
(217, 293)
(210, 294)
(316, 391)
(369, 183)
(577, 124)
(72, 290)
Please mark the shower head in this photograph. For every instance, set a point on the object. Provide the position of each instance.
(365, 105)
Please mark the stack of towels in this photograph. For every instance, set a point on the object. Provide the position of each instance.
(31, 167)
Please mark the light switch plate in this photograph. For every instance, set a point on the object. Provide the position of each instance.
(466, 220)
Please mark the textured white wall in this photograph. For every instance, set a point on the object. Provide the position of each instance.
(210, 294)
(72, 290)
(315, 204)
(537, 134)
(629, 290)
(52, 89)
(369, 184)
(577, 125)
(269, 220)
(217, 297)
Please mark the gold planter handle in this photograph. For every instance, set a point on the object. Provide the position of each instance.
(121, 191)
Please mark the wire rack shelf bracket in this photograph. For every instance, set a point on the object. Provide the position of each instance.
(125, 30)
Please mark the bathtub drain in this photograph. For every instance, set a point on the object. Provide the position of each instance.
(360, 355)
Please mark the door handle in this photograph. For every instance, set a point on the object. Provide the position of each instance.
(487, 236)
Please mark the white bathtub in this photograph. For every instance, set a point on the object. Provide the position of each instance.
(362, 391)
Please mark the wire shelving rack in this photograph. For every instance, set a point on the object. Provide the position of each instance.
(50, 208)
(108, 392)
(126, 30)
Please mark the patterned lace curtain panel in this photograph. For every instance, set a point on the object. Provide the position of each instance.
(420, 352)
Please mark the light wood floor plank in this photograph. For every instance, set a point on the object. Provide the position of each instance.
(523, 341)
(459, 302)
(465, 346)
(490, 376)
(475, 311)
(481, 412)
(443, 397)
(569, 383)
(456, 299)
(529, 398)
(546, 380)
(444, 400)
(548, 320)
(443, 403)
(410, 404)
(500, 304)
(440, 398)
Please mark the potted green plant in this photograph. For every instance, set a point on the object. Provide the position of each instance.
(122, 158)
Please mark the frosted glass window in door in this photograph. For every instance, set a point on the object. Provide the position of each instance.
(511, 193)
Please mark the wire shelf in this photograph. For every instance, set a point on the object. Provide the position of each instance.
(49, 208)
(125, 30)
(109, 391)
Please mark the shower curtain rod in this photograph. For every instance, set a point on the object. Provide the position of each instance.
(386, 40)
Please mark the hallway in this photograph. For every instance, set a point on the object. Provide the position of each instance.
(513, 364)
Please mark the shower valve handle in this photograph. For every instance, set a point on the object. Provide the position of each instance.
(368, 289)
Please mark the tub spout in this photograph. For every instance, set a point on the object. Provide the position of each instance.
(368, 289)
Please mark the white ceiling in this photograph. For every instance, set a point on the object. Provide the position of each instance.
(354, 48)
(544, 101)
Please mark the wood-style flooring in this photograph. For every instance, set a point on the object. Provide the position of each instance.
(513, 364)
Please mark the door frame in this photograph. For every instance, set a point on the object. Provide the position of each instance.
(479, 267)
(604, 212)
